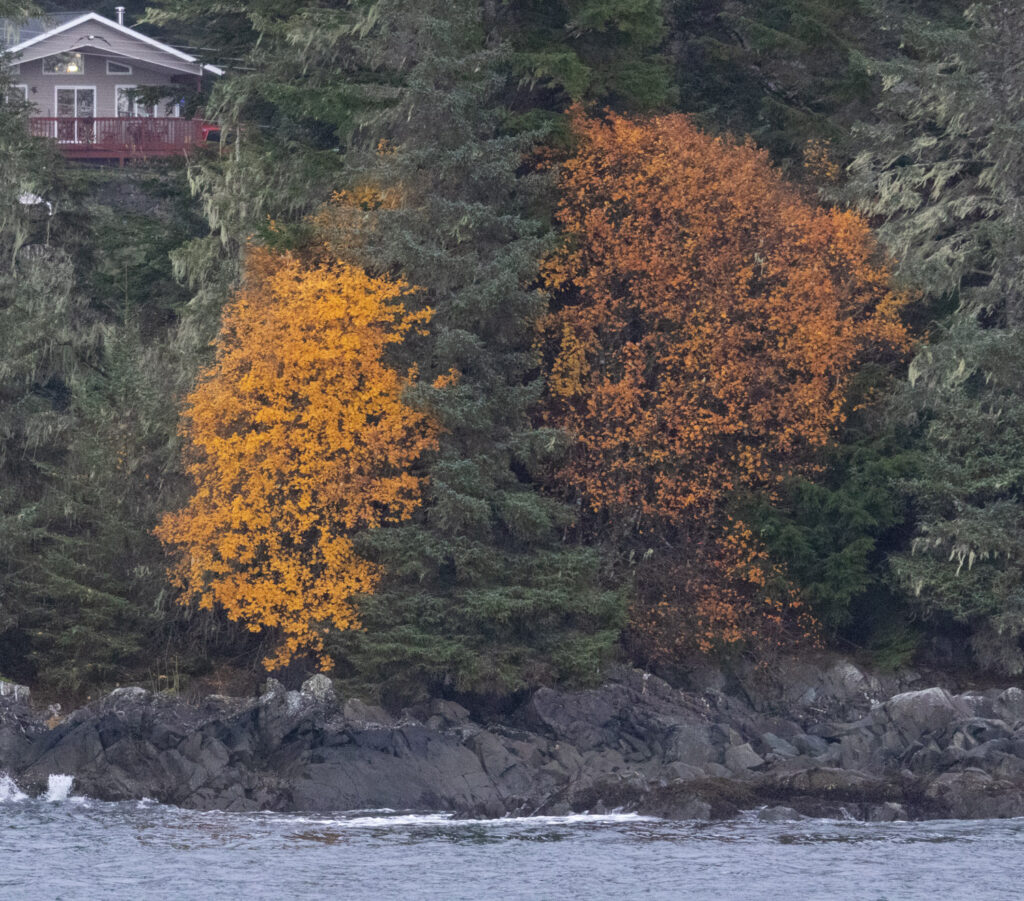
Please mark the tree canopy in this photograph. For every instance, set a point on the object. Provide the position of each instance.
(710, 321)
(298, 435)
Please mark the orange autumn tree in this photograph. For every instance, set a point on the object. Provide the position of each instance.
(710, 319)
(297, 435)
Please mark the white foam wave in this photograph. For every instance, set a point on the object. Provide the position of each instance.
(58, 786)
(9, 791)
(449, 820)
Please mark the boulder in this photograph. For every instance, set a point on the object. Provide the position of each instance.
(974, 794)
(888, 812)
(812, 745)
(919, 713)
(739, 758)
(369, 714)
(777, 815)
(17, 694)
(1009, 706)
(19, 727)
(587, 719)
(320, 688)
(778, 745)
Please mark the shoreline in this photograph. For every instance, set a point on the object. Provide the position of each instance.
(824, 740)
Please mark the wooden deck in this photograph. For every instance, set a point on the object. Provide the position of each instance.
(121, 138)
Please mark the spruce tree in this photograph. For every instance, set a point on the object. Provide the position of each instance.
(943, 173)
(784, 71)
(48, 338)
(613, 53)
(482, 592)
(86, 415)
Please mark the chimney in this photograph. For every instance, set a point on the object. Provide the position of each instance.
(120, 14)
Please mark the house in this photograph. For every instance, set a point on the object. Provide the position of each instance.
(79, 72)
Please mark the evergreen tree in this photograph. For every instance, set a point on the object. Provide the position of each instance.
(784, 71)
(944, 175)
(482, 594)
(47, 339)
(608, 51)
(86, 418)
(831, 531)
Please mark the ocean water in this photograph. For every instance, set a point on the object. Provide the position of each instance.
(63, 847)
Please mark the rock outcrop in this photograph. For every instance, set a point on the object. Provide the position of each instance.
(820, 741)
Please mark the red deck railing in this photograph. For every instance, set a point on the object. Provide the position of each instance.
(120, 138)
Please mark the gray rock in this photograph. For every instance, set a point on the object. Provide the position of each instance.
(926, 760)
(832, 781)
(366, 713)
(742, 757)
(680, 772)
(449, 713)
(587, 719)
(273, 687)
(729, 735)
(861, 750)
(778, 815)
(635, 743)
(812, 745)
(706, 678)
(973, 794)
(848, 685)
(917, 713)
(1009, 706)
(694, 809)
(691, 744)
(888, 812)
(980, 703)
(717, 771)
(18, 694)
(779, 745)
(320, 688)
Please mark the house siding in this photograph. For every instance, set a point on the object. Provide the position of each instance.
(42, 87)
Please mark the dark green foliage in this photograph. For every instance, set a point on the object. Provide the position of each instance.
(829, 533)
(832, 533)
(482, 595)
(87, 414)
(967, 561)
(943, 173)
(782, 71)
(608, 51)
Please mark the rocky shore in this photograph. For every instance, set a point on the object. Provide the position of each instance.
(819, 739)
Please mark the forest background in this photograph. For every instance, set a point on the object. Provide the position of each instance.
(500, 340)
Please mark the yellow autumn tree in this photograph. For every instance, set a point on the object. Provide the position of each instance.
(296, 436)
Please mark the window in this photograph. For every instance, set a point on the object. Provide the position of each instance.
(18, 92)
(64, 64)
(118, 68)
(127, 105)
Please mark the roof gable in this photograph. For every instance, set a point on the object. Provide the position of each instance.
(91, 31)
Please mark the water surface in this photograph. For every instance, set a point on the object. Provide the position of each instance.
(62, 847)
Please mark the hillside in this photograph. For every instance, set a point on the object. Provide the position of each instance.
(501, 342)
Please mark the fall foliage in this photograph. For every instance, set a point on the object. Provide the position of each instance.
(297, 435)
(711, 319)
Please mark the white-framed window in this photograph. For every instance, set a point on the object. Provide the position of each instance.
(70, 63)
(76, 107)
(127, 106)
(19, 92)
(116, 68)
